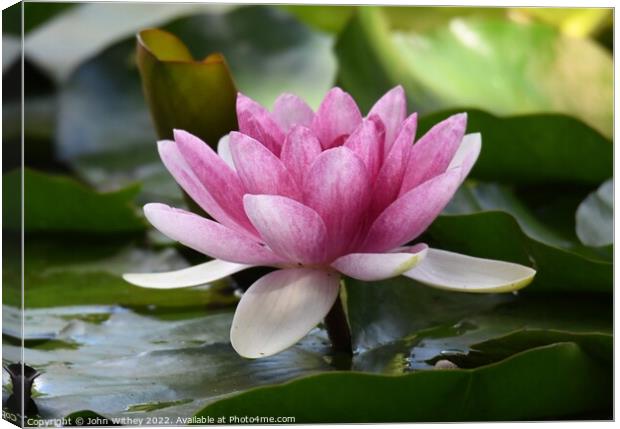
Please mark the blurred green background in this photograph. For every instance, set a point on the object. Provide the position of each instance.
(537, 83)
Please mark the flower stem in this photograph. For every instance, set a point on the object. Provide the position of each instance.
(338, 329)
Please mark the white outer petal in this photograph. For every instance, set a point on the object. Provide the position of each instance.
(456, 272)
(187, 277)
(223, 150)
(280, 308)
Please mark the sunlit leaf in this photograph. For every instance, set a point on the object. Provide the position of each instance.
(330, 18)
(528, 67)
(575, 22)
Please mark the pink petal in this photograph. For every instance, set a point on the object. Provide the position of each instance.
(292, 230)
(256, 122)
(390, 177)
(299, 151)
(392, 109)
(281, 308)
(367, 143)
(432, 154)
(208, 237)
(379, 266)
(467, 154)
(222, 207)
(290, 110)
(337, 188)
(261, 172)
(411, 214)
(336, 118)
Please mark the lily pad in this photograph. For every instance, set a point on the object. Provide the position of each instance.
(145, 365)
(535, 149)
(89, 273)
(136, 366)
(510, 345)
(560, 373)
(417, 326)
(50, 205)
(441, 68)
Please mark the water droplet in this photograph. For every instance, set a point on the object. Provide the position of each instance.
(445, 364)
(449, 352)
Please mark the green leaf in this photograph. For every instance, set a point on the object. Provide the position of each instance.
(172, 79)
(117, 363)
(503, 391)
(331, 19)
(59, 203)
(88, 272)
(595, 216)
(595, 344)
(415, 326)
(544, 72)
(167, 360)
(534, 149)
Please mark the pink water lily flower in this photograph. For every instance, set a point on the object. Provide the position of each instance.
(319, 195)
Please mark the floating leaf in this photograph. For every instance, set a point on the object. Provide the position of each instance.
(135, 366)
(595, 216)
(535, 149)
(89, 273)
(560, 373)
(416, 326)
(59, 203)
(514, 345)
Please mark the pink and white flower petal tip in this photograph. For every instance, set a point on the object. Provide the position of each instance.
(318, 195)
